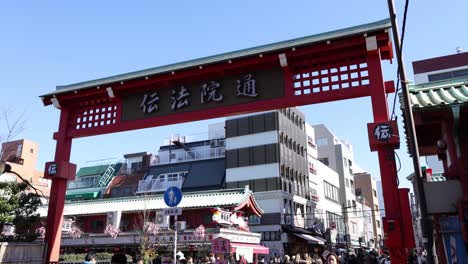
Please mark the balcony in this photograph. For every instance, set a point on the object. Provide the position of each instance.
(197, 154)
(157, 185)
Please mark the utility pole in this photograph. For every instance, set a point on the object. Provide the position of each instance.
(426, 222)
(345, 219)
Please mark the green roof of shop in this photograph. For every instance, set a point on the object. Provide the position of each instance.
(96, 170)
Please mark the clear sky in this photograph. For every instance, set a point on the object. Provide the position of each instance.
(48, 43)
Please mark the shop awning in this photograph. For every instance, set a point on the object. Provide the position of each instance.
(257, 249)
(311, 239)
(84, 195)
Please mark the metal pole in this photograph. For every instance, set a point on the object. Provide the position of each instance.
(426, 222)
(345, 218)
(175, 239)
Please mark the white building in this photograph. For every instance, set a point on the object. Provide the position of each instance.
(338, 155)
(324, 184)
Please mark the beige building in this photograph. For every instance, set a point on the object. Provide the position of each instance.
(368, 189)
(21, 155)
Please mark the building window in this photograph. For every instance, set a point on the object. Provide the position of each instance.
(331, 191)
(324, 161)
(322, 141)
(378, 223)
(336, 219)
(31, 151)
(345, 162)
(375, 193)
(347, 183)
(19, 150)
(447, 75)
(310, 141)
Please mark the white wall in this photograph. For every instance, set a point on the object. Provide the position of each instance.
(251, 140)
(252, 172)
(424, 77)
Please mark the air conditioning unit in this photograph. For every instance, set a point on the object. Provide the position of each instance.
(113, 218)
(214, 143)
(162, 220)
(222, 142)
(181, 225)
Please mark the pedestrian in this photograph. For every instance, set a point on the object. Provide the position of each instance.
(385, 257)
(351, 258)
(242, 260)
(316, 259)
(371, 258)
(297, 258)
(119, 258)
(421, 258)
(90, 258)
(307, 259)
(332, 258)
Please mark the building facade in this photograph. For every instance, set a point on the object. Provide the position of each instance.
(21, 155)
(338, 155)
(366, 186)
(268, 151)
(324, 184)
(439, 100)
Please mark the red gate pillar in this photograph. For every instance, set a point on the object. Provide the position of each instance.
(59, 172)
(393, 226)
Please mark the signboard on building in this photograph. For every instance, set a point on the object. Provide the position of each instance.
(383, 133)
(220, 246)
(227, 218)
(166, 99)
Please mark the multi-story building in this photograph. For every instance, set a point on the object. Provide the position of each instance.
(268, 152)
(338, 155)
(324, 184)
(366, 187)
(21, 155)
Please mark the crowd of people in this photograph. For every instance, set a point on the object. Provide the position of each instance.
(316, 257)
(328, 257)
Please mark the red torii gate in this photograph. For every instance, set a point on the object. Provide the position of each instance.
(332, 66)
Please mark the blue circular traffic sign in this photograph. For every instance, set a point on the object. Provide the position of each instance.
(172, 196)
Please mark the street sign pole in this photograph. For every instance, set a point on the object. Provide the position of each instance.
(175, 239)
(172, 198)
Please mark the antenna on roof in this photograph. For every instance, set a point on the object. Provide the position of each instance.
(459, 50)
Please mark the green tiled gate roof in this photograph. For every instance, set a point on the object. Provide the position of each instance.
(441, 93)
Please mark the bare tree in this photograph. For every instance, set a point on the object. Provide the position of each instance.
(11, 125)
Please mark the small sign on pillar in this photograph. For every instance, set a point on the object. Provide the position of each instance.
(62, 170)
(383, 133)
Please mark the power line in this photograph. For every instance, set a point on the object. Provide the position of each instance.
(393, 116)
(326, 212)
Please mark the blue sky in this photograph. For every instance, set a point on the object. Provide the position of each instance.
(48, 43)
